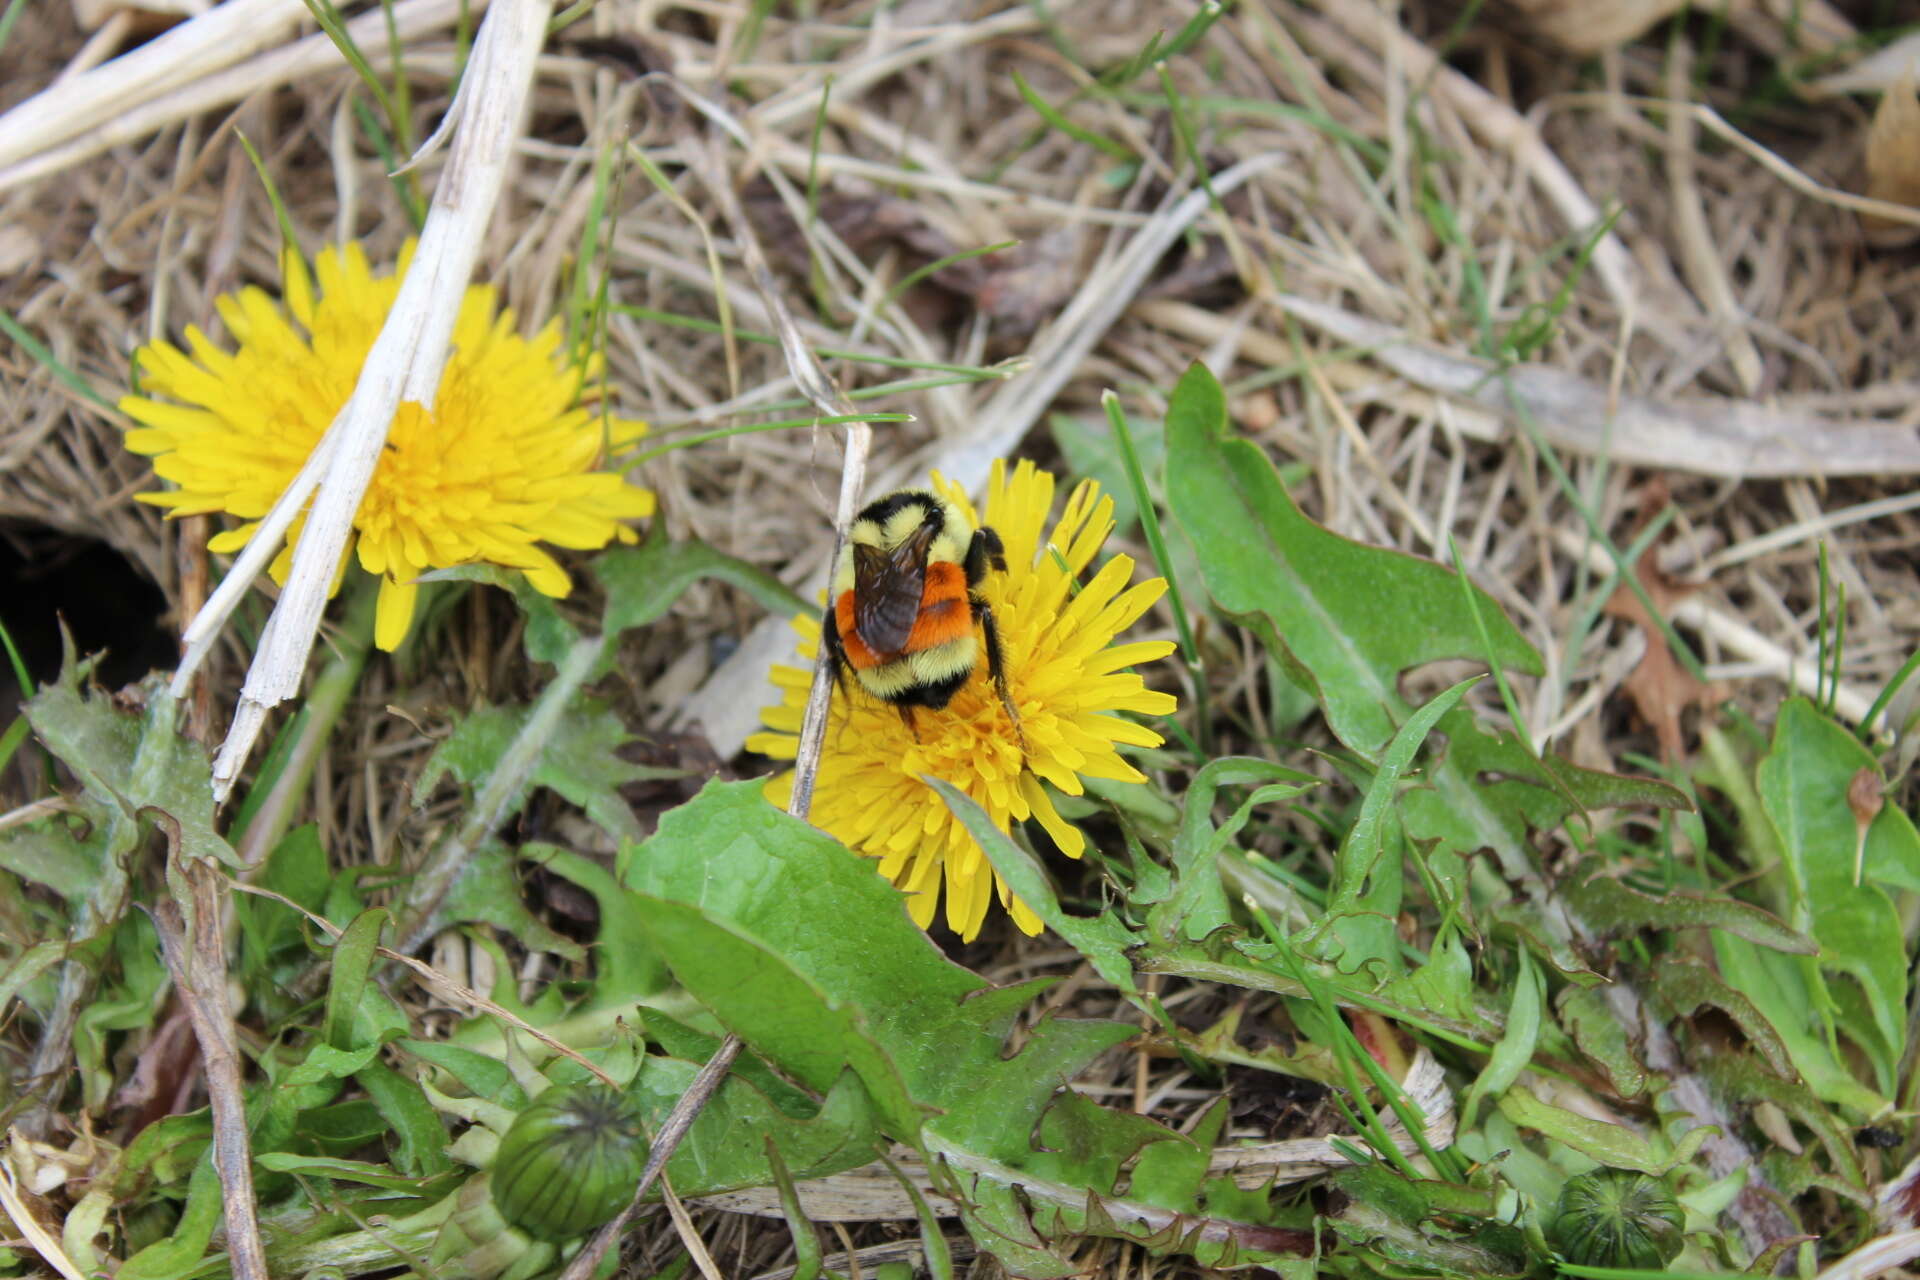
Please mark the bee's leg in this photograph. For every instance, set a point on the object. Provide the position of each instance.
(997, 667)
(906, 718)
(984, 552)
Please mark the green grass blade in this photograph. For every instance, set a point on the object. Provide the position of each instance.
(1052, 115)
(664, 185)
(754, 428)
(39, 351)
(289, 239)
(7, 19)
(915, 277)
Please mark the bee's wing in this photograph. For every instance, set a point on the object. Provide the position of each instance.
(886, 591)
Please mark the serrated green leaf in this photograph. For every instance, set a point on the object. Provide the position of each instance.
(1399, 1199)
(1608, 906)
(132, 762)
(49, 853)
(1350, 616)
(1020, 1216)
(1487, 790)
(1296, 1057)
(1686, 987)
(1443, 984)
(772, 1006)
(1743, 1077)
(1359, 927)
(1596, 1029)
(578, 761)
(997, 1219)
(487, 891)
(1173, 1175)
(1198, 904)
(1082, 1141)
(726, 1148)
(755, 914)
(1615, 1146)
(421, 1139)
(1778, 986)
(677, 1040)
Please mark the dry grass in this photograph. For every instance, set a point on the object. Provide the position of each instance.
(1720, 288)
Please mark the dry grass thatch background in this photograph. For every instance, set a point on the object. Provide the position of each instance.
(1735, 346)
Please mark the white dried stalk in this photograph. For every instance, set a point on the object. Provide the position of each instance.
(1876, 1257)
(405, 364)
(1875, 73)
(215, 39)
(1717, 436)
(84, 116)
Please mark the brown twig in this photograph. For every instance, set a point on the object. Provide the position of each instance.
(199, 969)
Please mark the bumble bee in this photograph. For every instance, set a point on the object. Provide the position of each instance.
(903, 603)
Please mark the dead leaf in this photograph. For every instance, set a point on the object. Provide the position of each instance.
(1660, 687)
(1866, 796)
(1897, 1202)
(165, 1071)
(1893, 163)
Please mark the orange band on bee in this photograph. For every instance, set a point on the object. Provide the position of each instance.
(859, 656)
(944, 614)
(940, 622)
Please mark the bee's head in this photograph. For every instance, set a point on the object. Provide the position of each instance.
(893, 520)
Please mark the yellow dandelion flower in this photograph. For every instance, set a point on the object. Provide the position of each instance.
(1065, 675)
(504, 460)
